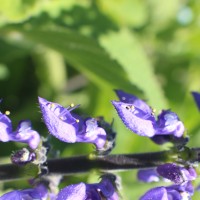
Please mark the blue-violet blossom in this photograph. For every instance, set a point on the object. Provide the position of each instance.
(148, 175)
(181, 176)
(40, 192)
(24, 132)
(176, 173)
(174, 192)
(69, 127)
(139, 118)
(105, 189)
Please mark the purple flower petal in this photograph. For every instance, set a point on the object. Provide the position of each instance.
(81, 191)
(72, 192)
(196, 96)
(131, 99)
(174, 192)
(5, 127)
(106, 187)
(40, 192)
(180, 191)
(176, 173)
(161, 139)
(135, 119)
(158, 193)
(139, 118)
(148, 175)
(26, 134)
(69, 127)
(14, 195)
(60, 123)
(171, 172)
(169, 124)
(93, 134)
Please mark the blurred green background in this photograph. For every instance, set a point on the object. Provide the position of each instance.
(80, 50)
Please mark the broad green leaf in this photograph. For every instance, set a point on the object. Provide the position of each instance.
(84, 54)
(125, 12)
(125, 48)
(20, 10)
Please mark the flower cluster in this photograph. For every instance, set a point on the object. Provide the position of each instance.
(69, 127)
(167, 127)
(140, 118)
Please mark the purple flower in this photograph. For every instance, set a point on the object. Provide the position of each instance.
(176, 173)
(196, 96)
(135, 119)
(5, 127)
(168, 123)
(139, 118)
(69, 127)
(174, 192)
(81, 191)
(22, 157)
(24, 132)
(148, 175)
(40, 192)
(131, 99)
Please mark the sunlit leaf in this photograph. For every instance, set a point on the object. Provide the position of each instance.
(125, 12)
(20, 10)
(84, 54)
(125, 48)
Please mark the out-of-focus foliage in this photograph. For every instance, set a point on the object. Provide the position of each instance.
(80, 50)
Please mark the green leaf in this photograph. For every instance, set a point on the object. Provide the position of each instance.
(52, 79)
(126, 49)
(84, 54)
(20, 10)
(125, 12)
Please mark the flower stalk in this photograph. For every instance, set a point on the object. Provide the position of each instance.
(107, 163)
